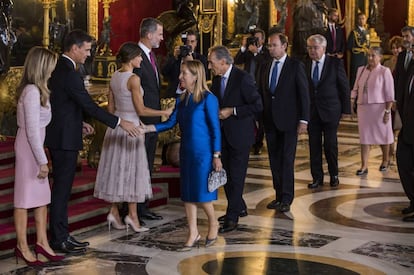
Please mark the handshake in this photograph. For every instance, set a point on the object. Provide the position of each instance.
(134, 130)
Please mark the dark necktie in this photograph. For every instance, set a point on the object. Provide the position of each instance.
(273, 78)
(315, 74)
(333, 38)
(222, 86)
(153, 63)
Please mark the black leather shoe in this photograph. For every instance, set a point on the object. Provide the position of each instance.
(68, 248)
(408, 210)
(242, 214)
(228, 226)
(361, 172)
(76, 243)
(409, 219)
(273, 204)
(315, 184)
(151, 216)
(284, 207)
(334, 182)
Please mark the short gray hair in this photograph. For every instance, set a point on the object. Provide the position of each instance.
(222, 53)
(148, 25)
(318, 38)
(408, 29)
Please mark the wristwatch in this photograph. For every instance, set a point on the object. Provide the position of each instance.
(217, 156)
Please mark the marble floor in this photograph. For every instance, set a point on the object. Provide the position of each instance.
(353, 229)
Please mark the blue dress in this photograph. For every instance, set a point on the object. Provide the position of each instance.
(200, 138)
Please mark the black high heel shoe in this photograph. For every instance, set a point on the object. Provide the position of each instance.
(384, 168)
(361, 172)
(210, 242)
(19, 254)
(196, 242)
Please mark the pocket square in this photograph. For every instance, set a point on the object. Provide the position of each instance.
(216, 179)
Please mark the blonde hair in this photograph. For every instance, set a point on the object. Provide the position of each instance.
(38, 66)
(196, 68)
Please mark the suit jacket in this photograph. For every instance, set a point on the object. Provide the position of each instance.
(290, 102)
(171, 72)
(150, 82)
(241, 93)
(70, 101)
(247, 58)
(405, 105)
(330, 98)
(400, 73)
(339, 38)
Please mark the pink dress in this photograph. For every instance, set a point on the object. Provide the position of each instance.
(32, 118)
(123, 174)
(374, 89)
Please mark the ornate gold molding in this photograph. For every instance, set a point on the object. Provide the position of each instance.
(93, 18)
(410, 15)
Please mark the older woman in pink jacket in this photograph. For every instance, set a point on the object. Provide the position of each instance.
(374, 92)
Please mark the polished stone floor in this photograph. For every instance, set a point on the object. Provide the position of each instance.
(353, 229)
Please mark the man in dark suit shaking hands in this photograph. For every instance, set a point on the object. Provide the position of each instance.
(284, 88)
(239, 103)
(69, 102)
(151, 35)
(329, 94)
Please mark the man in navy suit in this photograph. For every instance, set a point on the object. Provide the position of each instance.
(334, 35)
(239, 103)
(330, 101)
(70, 101)
(151, 35)
(284, 88)
(404, 79)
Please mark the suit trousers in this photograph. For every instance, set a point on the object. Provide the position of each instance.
(281, 146)
(150, 146)
(405, 163)
(235, 161)
(63, 173)
(328, 130)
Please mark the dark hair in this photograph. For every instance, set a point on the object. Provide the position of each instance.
(408, 29)
(360, 14)
(332, 10)
(257, 30)
(76, 37)
(282, 37)
(148, 25)
(128, 51)
(191, 32)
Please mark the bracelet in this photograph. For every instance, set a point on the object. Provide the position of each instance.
(387, 111)
(216, 156)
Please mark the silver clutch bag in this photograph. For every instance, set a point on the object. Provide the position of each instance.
(216, 179)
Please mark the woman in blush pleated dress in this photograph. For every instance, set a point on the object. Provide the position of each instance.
(123, 174)
(374, 89)
(31, 184)
(197, 113)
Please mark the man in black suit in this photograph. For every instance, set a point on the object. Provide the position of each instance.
(171, 69)
(358, 44)
(334, 35)
(252, 54)
(151, 35)
(404, 78)
(284, 88)
(69, 102)
(330, 101)
(239, 103)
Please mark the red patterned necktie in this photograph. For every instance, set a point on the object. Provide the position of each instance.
(152, 59)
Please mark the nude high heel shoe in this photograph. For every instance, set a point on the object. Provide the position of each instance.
(129, 222)
(112, 221)
(196, 242)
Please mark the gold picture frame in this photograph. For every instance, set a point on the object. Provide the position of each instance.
(208, 6)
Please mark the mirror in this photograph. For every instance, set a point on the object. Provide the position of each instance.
(64, 15)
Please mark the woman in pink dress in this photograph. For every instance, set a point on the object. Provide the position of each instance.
(31, 184)
(374, 90)
(123, 174)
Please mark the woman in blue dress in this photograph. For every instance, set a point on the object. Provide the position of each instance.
(197, 112)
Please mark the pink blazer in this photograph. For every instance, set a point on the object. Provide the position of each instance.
(379, 82)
